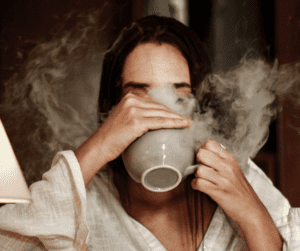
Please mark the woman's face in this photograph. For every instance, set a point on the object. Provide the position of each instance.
(151, 65)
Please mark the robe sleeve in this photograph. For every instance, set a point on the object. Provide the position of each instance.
(56, 217)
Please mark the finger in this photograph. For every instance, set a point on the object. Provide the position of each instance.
(216, 147)
(155, 123)
(210, 159)
(203, 186)
(139, 93)
(146, 112)
(208, 174)
(142, 113)
(142, 101)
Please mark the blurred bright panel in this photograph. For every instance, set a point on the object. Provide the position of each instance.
(13, 187)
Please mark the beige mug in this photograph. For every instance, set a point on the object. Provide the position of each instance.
(161, 159)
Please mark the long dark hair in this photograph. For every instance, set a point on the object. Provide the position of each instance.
(150, 29)
(159, 30)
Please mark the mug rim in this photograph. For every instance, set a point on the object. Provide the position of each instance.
(161, 189)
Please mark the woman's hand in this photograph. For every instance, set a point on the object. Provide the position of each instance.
(221, 177)
(135, 115)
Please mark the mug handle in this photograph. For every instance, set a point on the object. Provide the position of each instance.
(190, 170)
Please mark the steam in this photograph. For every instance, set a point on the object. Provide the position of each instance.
(243, 109)
(241, 105)
(50, 104)
(168, 96)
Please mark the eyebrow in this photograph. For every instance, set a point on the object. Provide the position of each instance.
(143, 85)
(135, 85)
(183, 84)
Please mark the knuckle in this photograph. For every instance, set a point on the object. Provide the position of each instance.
(209, 144)
(129, 95)
(129, 99)
(135, 123)
(202, 171)
(132, 111)
(226, 185)
(200, 154)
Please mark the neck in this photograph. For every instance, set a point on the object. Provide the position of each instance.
(138, 193)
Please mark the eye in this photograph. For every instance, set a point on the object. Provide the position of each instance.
(136, 90)
(183, 90)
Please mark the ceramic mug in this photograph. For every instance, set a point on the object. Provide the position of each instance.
(160, 159)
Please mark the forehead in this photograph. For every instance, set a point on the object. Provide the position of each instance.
(155, 63)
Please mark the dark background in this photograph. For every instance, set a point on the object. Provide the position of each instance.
(37, 20)
(24, 23)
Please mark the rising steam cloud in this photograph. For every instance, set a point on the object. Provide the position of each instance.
(50, 105)
(43, 116)
(240, 107)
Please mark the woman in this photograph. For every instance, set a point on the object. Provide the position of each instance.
(87, 198)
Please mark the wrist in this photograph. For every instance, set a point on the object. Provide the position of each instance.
(91, 158)
(260, 232)
(252, 216)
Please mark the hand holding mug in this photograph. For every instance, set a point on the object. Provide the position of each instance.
(220, 176)
(131, 118)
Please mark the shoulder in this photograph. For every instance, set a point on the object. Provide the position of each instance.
(277, 205)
